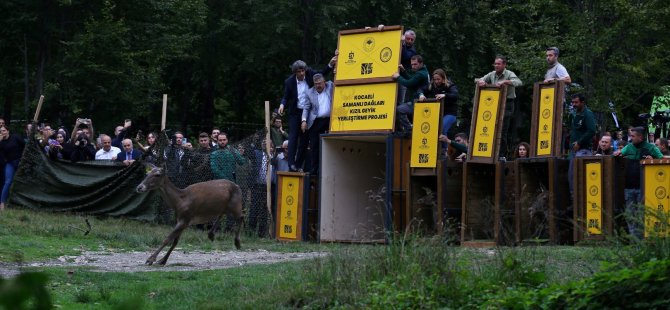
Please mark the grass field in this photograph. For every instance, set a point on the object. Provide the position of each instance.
(411, 272)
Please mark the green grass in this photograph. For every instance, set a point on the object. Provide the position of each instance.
(28, 236)
(251, 287)
(411, 272)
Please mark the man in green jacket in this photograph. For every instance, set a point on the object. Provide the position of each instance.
(581, 135)
(223, 161)
(414, 81)
(634, 152)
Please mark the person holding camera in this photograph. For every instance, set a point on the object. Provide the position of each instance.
(11, 149)
(85, 125)
(82, 148)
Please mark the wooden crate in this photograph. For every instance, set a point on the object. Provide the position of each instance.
(450, 183)
(423, 204)
(655, 190)
(401, 156)
(598, 194)
(292, 199)
(542, 213)
(478, 205)
(505, 216)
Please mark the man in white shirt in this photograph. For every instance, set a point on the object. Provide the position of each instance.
(316, 103)
(107, 151)
(556, 71)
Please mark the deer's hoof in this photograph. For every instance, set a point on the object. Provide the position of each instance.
(210, 236)
(149, 262)
(237, 244)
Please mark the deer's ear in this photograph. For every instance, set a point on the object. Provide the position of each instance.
(148, 167)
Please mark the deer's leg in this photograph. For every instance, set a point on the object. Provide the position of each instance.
(176, 232)
(240, 222)
(163, 260)
(214, 228)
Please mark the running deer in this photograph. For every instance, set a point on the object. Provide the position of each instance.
(199, 203)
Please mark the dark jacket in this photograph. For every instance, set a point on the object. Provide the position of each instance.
(290, 99)
(450, 96)
(414, 81)
(583, 129)
(12, 147)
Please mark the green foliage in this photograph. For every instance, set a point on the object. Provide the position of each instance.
(25, 291)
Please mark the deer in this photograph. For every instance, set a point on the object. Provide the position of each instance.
(198, 203)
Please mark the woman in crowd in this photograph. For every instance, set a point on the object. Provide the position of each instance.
(11, 148)
(441, 87)
(55, 147)
(522, 150)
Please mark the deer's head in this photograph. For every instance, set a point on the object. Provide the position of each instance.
(155, 178)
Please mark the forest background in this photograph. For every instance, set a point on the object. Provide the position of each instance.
(220, 60)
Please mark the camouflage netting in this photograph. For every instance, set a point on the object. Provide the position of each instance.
(108, 188)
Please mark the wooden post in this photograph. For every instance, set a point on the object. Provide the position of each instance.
(164, 112)
(268, 176)
(39, 107)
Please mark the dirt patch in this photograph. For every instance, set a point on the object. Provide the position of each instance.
(180, 260)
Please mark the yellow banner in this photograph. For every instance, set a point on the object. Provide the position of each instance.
(425, 134)
(368, 55)
(487, 116)
(545, 121)
(594, 200)
(288, 219)
(656, 200)
(368, 107)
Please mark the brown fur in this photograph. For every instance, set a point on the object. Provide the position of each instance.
(199, 203)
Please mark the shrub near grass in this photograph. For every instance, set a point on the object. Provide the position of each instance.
(644, 287)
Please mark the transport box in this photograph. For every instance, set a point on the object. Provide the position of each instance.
(542, 213)
(598, 195)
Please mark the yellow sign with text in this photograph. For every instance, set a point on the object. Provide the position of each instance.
(545, 127)
(288, 217)
(656, 200)
(368, 55)
(594, 201)
(425, 134)
(367, 107)
(487, 117)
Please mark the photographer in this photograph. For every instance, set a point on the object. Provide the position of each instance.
(82, 149)
(85, 125)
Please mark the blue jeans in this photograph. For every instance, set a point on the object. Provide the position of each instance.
(633, 212)
(10, 169)
(579, 153)
(403, 111)
(447, 121)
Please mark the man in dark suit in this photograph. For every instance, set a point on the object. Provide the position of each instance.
(128, 155)
(300, 81)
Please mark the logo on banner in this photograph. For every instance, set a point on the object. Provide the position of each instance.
(290, 187)
(426, 112)
(425, 127)
(660, 192)
(593, 174)
(366, 68)
(546, 113)
(488, 100)
(350, 59)
(385, 54)
(487, 115)
(369, 44)
(593, 190)
(289, 200)
(660, 176)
